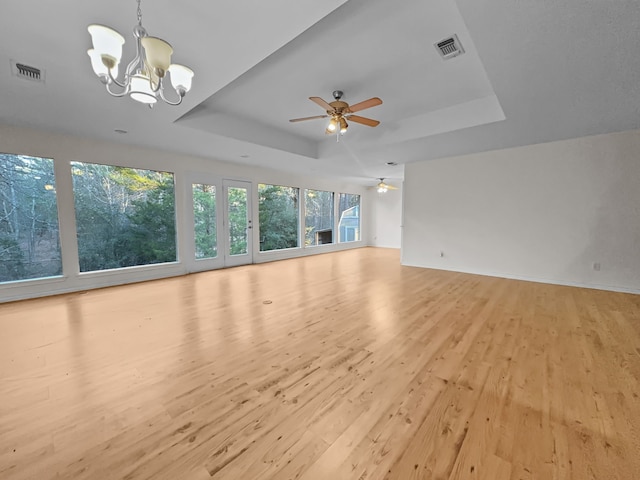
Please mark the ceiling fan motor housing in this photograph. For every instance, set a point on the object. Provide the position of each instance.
(339, 107)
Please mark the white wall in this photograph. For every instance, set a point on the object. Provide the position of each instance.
(385, 217)
(64, 149)
(542, 212)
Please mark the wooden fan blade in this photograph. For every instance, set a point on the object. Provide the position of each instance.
(322, 103)
(386, 186)
(307, 118)
(372, 102)
(363, 120)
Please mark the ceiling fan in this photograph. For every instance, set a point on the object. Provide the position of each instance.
(384, 187)
(340, 112)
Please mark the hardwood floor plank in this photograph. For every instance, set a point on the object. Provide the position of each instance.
(357, 368)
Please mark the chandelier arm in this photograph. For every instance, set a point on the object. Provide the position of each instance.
(131, 68)
(137, 63)
(154, 87)
(161, 91)
(112, 79)
(117, 94)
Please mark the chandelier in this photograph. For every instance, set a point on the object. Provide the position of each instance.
(145, 78)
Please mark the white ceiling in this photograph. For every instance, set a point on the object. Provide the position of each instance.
(533, 71)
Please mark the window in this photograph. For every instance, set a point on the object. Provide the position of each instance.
(319, 217)
(124, 216)
(204, 215)
(278, 212)
(29, 235)
(349, 212)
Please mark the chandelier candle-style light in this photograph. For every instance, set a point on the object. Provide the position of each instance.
(145, 76)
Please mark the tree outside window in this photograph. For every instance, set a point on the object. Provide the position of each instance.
(278, 212)
(29, 232)
(319, 217)
(124, 216)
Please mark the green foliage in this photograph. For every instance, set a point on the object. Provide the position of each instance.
(124, 216)
(237, 201)
(153, 226)
(29, 238)
(278, 217)
(205, 226)
(319, 214)
(11, 259)
(135, 180)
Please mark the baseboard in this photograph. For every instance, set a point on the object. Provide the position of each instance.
(595, 286)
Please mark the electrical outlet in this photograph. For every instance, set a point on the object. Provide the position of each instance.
(596, 266)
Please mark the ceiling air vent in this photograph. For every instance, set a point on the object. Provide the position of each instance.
(27, 72)
(449, 47)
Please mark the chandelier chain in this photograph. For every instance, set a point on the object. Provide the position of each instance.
(139, 14)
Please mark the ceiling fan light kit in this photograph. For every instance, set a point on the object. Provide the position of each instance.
(145, 76)
(343, 126)
(383, 187)
(339, 112)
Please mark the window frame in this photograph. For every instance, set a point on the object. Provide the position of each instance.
(333, 219)
(176, 260)
(299, 212)
(58, 235)
(339, 216)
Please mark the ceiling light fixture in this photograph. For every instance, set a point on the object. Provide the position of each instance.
(336, 121)
(383, 187)
(145, 76)
(340, 111)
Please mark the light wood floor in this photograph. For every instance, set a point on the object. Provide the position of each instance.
(338, 366)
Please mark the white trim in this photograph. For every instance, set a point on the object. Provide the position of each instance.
(596, 286)
(25, 289)
(287, 253)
